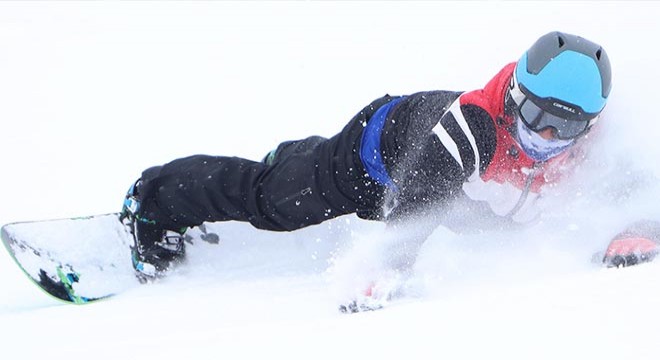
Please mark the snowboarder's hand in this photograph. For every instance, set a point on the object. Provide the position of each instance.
(638, 243)
(392, 285)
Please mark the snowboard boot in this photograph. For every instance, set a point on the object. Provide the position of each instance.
(155, 249)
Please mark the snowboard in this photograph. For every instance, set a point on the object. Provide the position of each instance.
(78, 260)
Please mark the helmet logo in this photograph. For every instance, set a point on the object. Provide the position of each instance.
(564, 107)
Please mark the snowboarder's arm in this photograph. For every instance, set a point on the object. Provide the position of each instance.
(431, 147)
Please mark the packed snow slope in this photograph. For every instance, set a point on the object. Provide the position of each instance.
(93, 93)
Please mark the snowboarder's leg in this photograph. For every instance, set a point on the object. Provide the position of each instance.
(305, 183)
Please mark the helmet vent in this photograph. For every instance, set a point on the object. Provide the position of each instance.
(561, 41)
(598, 53)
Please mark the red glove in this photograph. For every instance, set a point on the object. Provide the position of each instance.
(638, 243)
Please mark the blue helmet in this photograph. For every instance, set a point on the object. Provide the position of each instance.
(565, 80)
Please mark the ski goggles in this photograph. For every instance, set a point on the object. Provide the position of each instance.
(568, 121)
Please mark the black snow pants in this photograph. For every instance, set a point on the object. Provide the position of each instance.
(306, 182)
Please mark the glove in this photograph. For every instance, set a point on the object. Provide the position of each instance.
(378, 294)
(638, 243)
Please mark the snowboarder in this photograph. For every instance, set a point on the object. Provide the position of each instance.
(401, 157)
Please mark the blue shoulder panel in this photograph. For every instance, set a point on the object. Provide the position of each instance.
(370, 145)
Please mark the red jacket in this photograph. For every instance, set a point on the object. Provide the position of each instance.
(441, 145)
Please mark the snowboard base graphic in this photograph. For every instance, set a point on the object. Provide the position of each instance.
(79, 260)
(76, 260)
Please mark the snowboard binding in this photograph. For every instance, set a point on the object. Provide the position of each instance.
(155, 250)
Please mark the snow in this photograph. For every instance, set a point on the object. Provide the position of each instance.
(93, 93)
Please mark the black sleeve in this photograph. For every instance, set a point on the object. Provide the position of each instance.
(424, 170)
